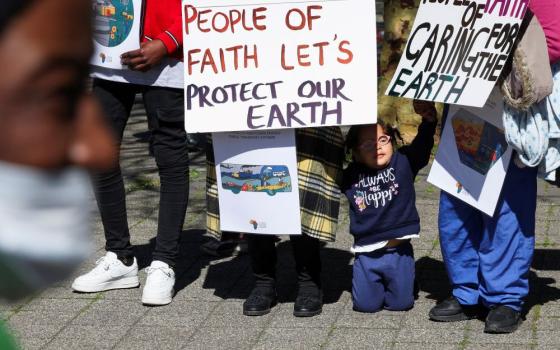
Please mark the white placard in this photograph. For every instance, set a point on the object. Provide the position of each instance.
(255, 65)
(457, 49)
(473, 155)
(258, 182)
(116, 30)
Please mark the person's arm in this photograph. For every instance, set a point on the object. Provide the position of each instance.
(172, 37)
(166, 43)
(418, 152)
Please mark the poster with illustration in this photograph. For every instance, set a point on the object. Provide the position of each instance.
(257, 65)
(116, 29)
(257, 182)
(457, 50)
(255, 178)
(473, 155)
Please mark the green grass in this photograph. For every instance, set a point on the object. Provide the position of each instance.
(142, 183)
(430, 189)
(194, 174)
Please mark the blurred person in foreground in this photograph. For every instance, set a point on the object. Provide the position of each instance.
(50, 133)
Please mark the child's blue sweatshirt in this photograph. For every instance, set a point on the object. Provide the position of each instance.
(383, 201)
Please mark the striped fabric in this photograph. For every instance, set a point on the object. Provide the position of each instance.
(320, 153)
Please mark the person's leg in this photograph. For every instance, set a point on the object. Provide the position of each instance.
(165, 109)
(118, 268)
(460, 228)
(506, 249)
(116, 99)
(368, 289)
(262, 253)
(307, 255)
(399, 294)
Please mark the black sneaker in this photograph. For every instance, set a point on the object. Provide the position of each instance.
(502, 319)
(308, 303)
(450, 310)
(259, 302)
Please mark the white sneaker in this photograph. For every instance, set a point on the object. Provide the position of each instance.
(158, 289)
(109, 273)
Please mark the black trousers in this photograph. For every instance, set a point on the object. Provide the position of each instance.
(165, 111)
(262, 251)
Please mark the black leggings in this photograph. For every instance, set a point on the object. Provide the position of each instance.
(165, 112)
(262, 251)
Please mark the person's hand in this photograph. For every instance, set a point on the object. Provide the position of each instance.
(426, 109)
(146, 57)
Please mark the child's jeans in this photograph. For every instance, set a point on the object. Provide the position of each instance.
(384, 279)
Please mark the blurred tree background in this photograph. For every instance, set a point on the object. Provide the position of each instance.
(394, 22)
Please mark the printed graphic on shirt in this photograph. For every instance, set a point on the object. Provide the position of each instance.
(479, 143)
(375, 190)
(113, 21)
(255, 178)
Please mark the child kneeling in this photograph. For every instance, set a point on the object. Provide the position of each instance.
(379, 185)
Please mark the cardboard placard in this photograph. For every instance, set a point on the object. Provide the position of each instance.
(258, 182)
(116, 30)
(473, 155)
(457, 50)
(271, 65)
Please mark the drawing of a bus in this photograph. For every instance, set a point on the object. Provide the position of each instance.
(270, 179)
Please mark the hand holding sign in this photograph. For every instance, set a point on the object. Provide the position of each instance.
(425, 109)
(147, 56)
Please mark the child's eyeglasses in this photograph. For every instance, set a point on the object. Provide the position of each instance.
(369, 145)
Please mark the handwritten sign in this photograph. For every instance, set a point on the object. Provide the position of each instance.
(457, 50)
(273, 65)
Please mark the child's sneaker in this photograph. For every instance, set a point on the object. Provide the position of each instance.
(109, 273)
(158, 289)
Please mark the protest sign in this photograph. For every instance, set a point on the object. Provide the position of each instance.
(257, 181)
(457, 49)
(473, 155)
(270, 65)
(116, 30)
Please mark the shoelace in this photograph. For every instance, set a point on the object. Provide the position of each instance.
(165, 270)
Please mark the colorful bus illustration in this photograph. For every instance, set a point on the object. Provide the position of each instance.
(256, 178)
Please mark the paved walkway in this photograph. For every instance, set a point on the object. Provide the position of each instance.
(206, 312)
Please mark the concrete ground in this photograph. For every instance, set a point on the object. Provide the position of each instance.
(206, 312)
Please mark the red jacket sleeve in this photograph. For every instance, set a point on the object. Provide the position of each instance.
(172, 36)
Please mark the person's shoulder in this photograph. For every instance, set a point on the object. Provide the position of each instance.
(349, 173)
(350, 169)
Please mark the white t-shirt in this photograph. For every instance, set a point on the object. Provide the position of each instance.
(169, 73)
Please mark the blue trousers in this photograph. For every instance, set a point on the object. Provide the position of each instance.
(384, 279)
(488, 258)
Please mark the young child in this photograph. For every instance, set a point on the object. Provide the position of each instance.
(379, 184)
